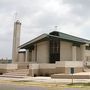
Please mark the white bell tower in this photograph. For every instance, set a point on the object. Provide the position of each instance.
(16, 41)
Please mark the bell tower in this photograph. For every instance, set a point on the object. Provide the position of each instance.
(16, 41)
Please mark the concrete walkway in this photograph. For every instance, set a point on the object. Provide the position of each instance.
(47, 80)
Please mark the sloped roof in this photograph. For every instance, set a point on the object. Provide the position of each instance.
(72, 38)
(60, 35)
(34, 40)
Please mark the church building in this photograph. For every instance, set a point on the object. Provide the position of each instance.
(52, 53)
(47, 54)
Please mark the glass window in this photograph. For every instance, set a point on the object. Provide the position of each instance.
(54, 50)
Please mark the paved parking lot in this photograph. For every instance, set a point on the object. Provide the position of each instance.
(16, 87)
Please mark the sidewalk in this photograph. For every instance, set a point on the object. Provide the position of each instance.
(46, 80)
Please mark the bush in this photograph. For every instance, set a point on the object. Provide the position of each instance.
(47, 74)
(1, 73)
(35, 75)
(41, 74)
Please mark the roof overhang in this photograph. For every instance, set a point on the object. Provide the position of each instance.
(40, 38)
(61, 36)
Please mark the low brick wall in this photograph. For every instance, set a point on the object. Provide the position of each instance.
(2, 71)
(23, 66)
(69, 76)
(46, 72)
(46, 69)
(7, 67)
(65, 66)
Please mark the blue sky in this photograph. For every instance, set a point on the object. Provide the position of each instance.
(41, 16)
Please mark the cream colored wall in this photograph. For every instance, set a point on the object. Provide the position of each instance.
(65, 51)
(21, 57)
(43, 52)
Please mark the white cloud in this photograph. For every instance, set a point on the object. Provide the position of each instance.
(40, 16)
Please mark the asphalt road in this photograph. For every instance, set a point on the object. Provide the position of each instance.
(16, 87)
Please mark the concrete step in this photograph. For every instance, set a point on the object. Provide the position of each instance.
(14, 73)
(82, 75)
(87, 70)
(20, 72)
(12, 76)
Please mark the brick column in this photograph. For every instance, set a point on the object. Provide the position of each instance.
(27, 56)
(74, 55)
(83, 54)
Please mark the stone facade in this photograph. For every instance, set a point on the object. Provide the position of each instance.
(68, 52)
(70, 56)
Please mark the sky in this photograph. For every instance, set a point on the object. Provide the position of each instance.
(41, 16)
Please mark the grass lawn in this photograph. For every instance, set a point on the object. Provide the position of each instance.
(75, 86)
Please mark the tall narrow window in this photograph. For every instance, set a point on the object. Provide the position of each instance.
(54, 50)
